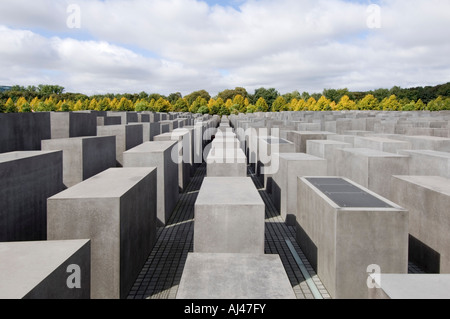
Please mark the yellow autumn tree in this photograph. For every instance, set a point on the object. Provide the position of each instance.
(346, 104)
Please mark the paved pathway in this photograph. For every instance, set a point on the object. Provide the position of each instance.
(161, 274)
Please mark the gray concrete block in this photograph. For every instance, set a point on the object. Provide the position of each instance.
(23, 131)
(381, 144)
(234, 276)
(428, 199)
(300, 138)
(116, 209)
(226, 162)
(431, 143)
(370, 168)
(284, 184)
(83, 157)
(27, 180)
(72, 124)
(431, 163)
(182, 137)
(39, 269)
(159, 155)
(269, 148)
(126, 117)
(229, 217)
(411, 287)
(127, 137)
(341, 242)
(325, 149)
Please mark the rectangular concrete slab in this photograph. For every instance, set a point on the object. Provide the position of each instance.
(426, 162)
(299, 138)
(381, 144)
(428, 200)
(234, 276)
(83, 157)
(284, 184)
(127, 137)
(226, 162)
(411, 287)
(39, 269)
(342, 242)
(370, 168)
(116, 209)
(325, 149)
(159, 155)
(27, 179)
(229, 217)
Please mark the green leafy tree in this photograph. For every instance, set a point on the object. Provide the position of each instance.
(197, 104)
(390, 104)
(162, 105)
(191, 98)
(261, 105)
(26, 108)
(323, 104)
(279, 104)
(141, 105)
(181, 105)
(10, 106)
(251, 108)
(369, 102)
(269, 95)
(239, 103)
(217, 106)
(203, 110)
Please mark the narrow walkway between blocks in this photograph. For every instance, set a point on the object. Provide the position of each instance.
(161, 274)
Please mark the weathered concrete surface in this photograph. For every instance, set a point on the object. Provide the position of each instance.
(127, 137)
(226, 162)
(325, 149)
(83, 157)
(428, 200)
(412, 287)
(284, 184)
(341, 242)
(72, 124)
(27, 180)
(381, 144)
(299, 138)
(39, 269)
(159, 155)
(370, 168)
(425, 162)
(116, 209)
(229, 217)
(234, 276)
(182, 137)
(23, 131)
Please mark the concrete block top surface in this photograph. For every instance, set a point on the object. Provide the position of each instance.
(367, 152)
(228, 191)
(25, 264)
(274, 140)
(328, 142)
(434, 183)
(299, 157)
(427, 152)
(416, 286)
(152, 147)
(12, 156)
(112, 183)
(234, 276)
(344, 194)
(380, 139)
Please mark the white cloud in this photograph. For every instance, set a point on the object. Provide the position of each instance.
(184, 45)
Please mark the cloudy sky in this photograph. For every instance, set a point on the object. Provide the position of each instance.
(165, 46)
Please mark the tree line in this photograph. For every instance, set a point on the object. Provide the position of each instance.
(47, 98)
